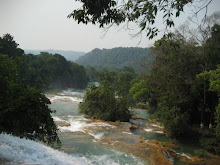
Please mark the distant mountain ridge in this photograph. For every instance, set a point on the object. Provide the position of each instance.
(116, 58)
(68, 54)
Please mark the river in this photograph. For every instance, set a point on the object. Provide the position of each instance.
(87, 141)
(81, 136)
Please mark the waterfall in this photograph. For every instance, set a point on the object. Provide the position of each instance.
(15, 150)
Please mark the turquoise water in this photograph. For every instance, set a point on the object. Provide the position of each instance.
(152, 136)
(83, 146)
(181, 147)
(143, 113)
(82, 137)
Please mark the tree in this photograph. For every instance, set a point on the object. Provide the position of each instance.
(213, 78)
(9, 46)
(123, 83)
(210, 58)
(201, 32)
(100, 103)
(211, 141)
(46, 71)
(139, 90)
(143, 12)
(169, 85)
(24, 110)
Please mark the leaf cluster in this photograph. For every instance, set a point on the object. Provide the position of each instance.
(142, 12)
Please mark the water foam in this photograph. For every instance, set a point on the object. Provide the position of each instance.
(127, 132)
(55, 118)
(81, 124)
(23, 151)
(100, 124)
(155, 125)
(183, 154)
(148, 130)
(97, 136)
(64, 98)
(75, 126)
(153, 131)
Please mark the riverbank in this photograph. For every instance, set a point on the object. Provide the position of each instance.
(191, 155)
(141, 140)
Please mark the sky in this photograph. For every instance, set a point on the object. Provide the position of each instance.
(43, 24)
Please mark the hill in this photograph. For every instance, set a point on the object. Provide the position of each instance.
(69, 55)
(116, 58)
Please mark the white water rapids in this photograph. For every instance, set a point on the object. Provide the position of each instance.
(79, 139)
(23, 151)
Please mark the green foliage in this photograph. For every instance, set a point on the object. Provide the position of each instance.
(92, 74)
(210, 143)
(201, 153)
(45, 70)
(143, 13)
(217, 129)
(183, 85)
(214, 85)
(173, 74)
(123, 83)
(116, 58)
(172, 87)
(175, 121)
(100, 103)
(140, 91)
(214, 76)
(211, 47)
(24, 110)
(9, 46)
(52, 71)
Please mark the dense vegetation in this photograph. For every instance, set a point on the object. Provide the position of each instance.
(101, 102)
(116, 58)
(45, 71)
(183, 87)
(24, 110)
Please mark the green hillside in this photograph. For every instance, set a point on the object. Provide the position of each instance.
(116, 58)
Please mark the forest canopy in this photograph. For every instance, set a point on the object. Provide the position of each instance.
(117, 58)
(52, 71)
